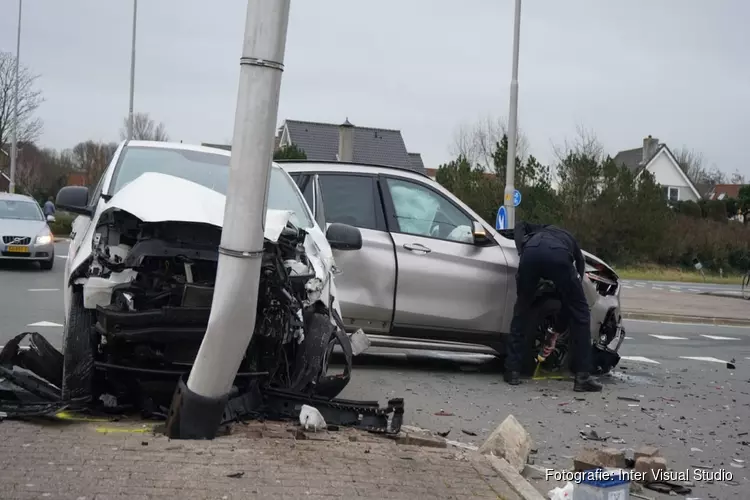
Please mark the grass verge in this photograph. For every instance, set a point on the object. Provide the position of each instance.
(656, 273)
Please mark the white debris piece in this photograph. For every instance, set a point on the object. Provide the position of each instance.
(564, 493)
(311, 420)
(360, 342)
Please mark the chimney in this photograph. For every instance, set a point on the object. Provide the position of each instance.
(346, 141)
(650, 145)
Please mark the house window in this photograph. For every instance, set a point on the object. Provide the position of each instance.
(673, 194)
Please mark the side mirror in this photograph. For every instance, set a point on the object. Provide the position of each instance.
(344, 236)
(74, 199)
(50, 218)
(479, 233)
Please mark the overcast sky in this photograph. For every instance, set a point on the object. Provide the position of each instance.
(676, 69)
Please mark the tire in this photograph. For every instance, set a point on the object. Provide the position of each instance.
(541, 314)
(78, 351)
(47, 265)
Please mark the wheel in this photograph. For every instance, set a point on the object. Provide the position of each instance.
(746, 287)
(78, 351)
(47, 265)
(543, 315)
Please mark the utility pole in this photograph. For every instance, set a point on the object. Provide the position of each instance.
(132, 70)
(14, 135)
(510, 169)
(198, 405)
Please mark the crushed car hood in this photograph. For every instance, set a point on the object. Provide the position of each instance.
(599, 261)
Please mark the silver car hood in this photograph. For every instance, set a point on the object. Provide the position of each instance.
(19, 227)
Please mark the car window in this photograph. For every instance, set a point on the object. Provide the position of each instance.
(207, 169)
(423, 212)
(20, 210)
(349, 199)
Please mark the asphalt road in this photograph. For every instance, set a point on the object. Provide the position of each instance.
(683, 287)
(689, 403)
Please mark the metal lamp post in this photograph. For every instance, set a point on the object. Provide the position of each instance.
(14, 135)
(198, 405)
(132, 71)
(510, 169)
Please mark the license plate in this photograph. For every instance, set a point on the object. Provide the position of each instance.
(18, 249)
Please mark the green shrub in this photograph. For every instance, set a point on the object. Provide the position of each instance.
(62, 225)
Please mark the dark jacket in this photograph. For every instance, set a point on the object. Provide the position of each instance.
(525, 230)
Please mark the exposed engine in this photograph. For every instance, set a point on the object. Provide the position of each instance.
(152, 286)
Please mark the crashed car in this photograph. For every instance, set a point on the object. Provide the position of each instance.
(140, 273)
(433, 274)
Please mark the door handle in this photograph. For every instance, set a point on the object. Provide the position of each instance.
(417, 247)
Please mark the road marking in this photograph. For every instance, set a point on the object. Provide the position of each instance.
(719, 337)
(640, 285)
(657, 288)
(639, 358)
(44, 289)
(666, 337)
(693, 290)
(680, 323)
(44, 323)
(62, 256)
(701, 358)
(674, 286)
(626, 286)
(675, 291)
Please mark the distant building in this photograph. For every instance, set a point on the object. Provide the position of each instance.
(661, 163)
(345, 142)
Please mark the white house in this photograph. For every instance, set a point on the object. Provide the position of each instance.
(662, 164)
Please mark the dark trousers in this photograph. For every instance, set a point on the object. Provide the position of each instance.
(545, 258)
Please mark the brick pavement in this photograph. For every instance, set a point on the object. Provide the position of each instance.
(126, 460)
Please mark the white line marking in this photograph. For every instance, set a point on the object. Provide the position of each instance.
(44, 323)
(640, 285)
(626, 286)
(674, 286)
(693, 290)
(719, 337)
(675, 291)
(62, 256)
(639, 358)
(44, 289)
(657, 288)
(666, 337)
(701, 358)
(680, 323)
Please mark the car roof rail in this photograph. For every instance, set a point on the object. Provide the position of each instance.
(355, 163)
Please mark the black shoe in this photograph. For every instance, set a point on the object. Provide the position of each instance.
(511, 377)
(584, 383)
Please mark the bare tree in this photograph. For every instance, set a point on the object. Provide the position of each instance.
(144, 129)
(737, 178)
(91, 158)
(478, 141)
(694, 165)
(29, 99)
(585, 143)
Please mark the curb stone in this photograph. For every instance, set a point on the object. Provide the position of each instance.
(682, 318)
(520, 486)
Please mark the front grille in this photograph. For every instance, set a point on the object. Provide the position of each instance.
(11, 240)
(16, 254)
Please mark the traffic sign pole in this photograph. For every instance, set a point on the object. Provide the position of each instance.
(510, 169)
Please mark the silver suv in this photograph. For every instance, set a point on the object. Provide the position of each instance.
(431, 269)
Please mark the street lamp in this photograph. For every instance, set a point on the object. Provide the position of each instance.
(14, 135)
(132, 71)
(510, 169)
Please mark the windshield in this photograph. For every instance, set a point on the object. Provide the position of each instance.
(19, 209)
(210, 170)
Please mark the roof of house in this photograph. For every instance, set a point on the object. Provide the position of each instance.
(724, 191)
(320, 141)
(631, 158)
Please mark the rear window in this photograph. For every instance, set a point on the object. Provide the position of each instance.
(349, 199)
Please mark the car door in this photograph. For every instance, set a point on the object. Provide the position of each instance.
(366, 279)
(447, 284)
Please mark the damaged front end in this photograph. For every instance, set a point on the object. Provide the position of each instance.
(140, 308)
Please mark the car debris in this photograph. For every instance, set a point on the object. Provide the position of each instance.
(153, 287)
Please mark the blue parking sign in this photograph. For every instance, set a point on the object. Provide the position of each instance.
(516, 198)
(501, 222)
